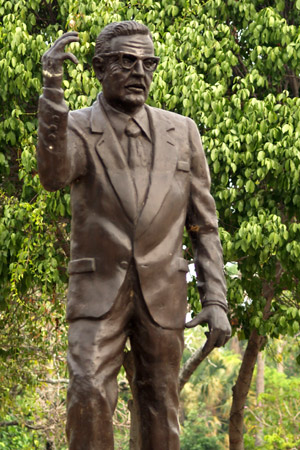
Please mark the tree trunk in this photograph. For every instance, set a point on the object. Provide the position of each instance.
(260, 388)
(280, 367)
(235, 346)
(241, 389)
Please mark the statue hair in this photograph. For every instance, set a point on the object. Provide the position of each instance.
(115, 29)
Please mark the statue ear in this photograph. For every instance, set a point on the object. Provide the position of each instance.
(99, 67)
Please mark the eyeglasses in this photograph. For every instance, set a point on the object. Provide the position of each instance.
(128, 60)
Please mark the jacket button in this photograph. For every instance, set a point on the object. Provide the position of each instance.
(124, 264)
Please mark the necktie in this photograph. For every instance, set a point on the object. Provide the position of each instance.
(137, 160)
(136, 155)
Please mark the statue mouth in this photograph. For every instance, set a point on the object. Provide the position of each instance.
(137, 88)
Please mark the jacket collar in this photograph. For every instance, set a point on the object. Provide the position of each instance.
(97, 123)
(164, 163)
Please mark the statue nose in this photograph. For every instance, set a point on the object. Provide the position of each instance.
(139, 68)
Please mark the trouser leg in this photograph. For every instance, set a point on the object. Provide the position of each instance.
(95, 356)
(92, 394)
(157, 355)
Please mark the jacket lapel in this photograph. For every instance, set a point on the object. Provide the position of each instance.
(164, 166)
(112, 156)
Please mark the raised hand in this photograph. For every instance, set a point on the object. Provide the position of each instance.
(219, 326)
(53, 59)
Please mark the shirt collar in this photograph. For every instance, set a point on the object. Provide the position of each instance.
(119, 119)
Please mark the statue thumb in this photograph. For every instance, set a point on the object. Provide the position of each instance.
(198, 320)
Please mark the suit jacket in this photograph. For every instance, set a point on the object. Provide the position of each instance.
(80, 149)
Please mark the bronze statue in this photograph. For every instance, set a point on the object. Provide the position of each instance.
(138, 175)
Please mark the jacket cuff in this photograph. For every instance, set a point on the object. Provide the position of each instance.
(53, 94)
(216, 303)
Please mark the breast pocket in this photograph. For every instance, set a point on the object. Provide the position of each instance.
(183, 166)
(183, 176)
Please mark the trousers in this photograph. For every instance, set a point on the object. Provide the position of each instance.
(95, 356)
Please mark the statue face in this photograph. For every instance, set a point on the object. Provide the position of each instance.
(128, 72)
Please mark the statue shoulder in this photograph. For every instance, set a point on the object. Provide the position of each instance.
(81, 114)
(80, 118)
(171, 116)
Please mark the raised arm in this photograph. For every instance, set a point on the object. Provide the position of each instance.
(59, 160)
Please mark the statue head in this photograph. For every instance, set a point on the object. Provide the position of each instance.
(124, 63)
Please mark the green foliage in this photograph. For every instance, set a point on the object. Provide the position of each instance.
(279, 411)
(205, 399)
(35, 418)
(196, 434)
(18, 438)
(233, 67)
(284, 353)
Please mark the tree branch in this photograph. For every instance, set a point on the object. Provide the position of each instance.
(19, 424)
(57, 381)
(190, 366)
(293, 81)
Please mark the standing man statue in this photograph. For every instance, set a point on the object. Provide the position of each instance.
(138, 175)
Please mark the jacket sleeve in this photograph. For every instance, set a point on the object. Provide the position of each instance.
(61, 153)
(202, 226)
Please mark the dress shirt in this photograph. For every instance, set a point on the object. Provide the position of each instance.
(141, 172)
(119, 120)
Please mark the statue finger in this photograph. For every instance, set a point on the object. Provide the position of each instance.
(198, 320)
(210, 344)
(71, 57)
(194, 322)
(65, 39)
(58, 48)
(222, 339)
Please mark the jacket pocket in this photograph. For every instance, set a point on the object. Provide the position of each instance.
(82, 265)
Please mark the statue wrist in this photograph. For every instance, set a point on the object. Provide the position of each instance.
(53, 80)
(56, 95)
(219, 303)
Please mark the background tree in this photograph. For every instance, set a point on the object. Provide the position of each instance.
(231, 66)
(276, 418)
(205, 407)
(206, 397)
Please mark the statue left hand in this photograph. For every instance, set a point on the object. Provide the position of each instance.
(54, 58)
(218, 323)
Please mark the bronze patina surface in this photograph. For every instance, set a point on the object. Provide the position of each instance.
(138, 175)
